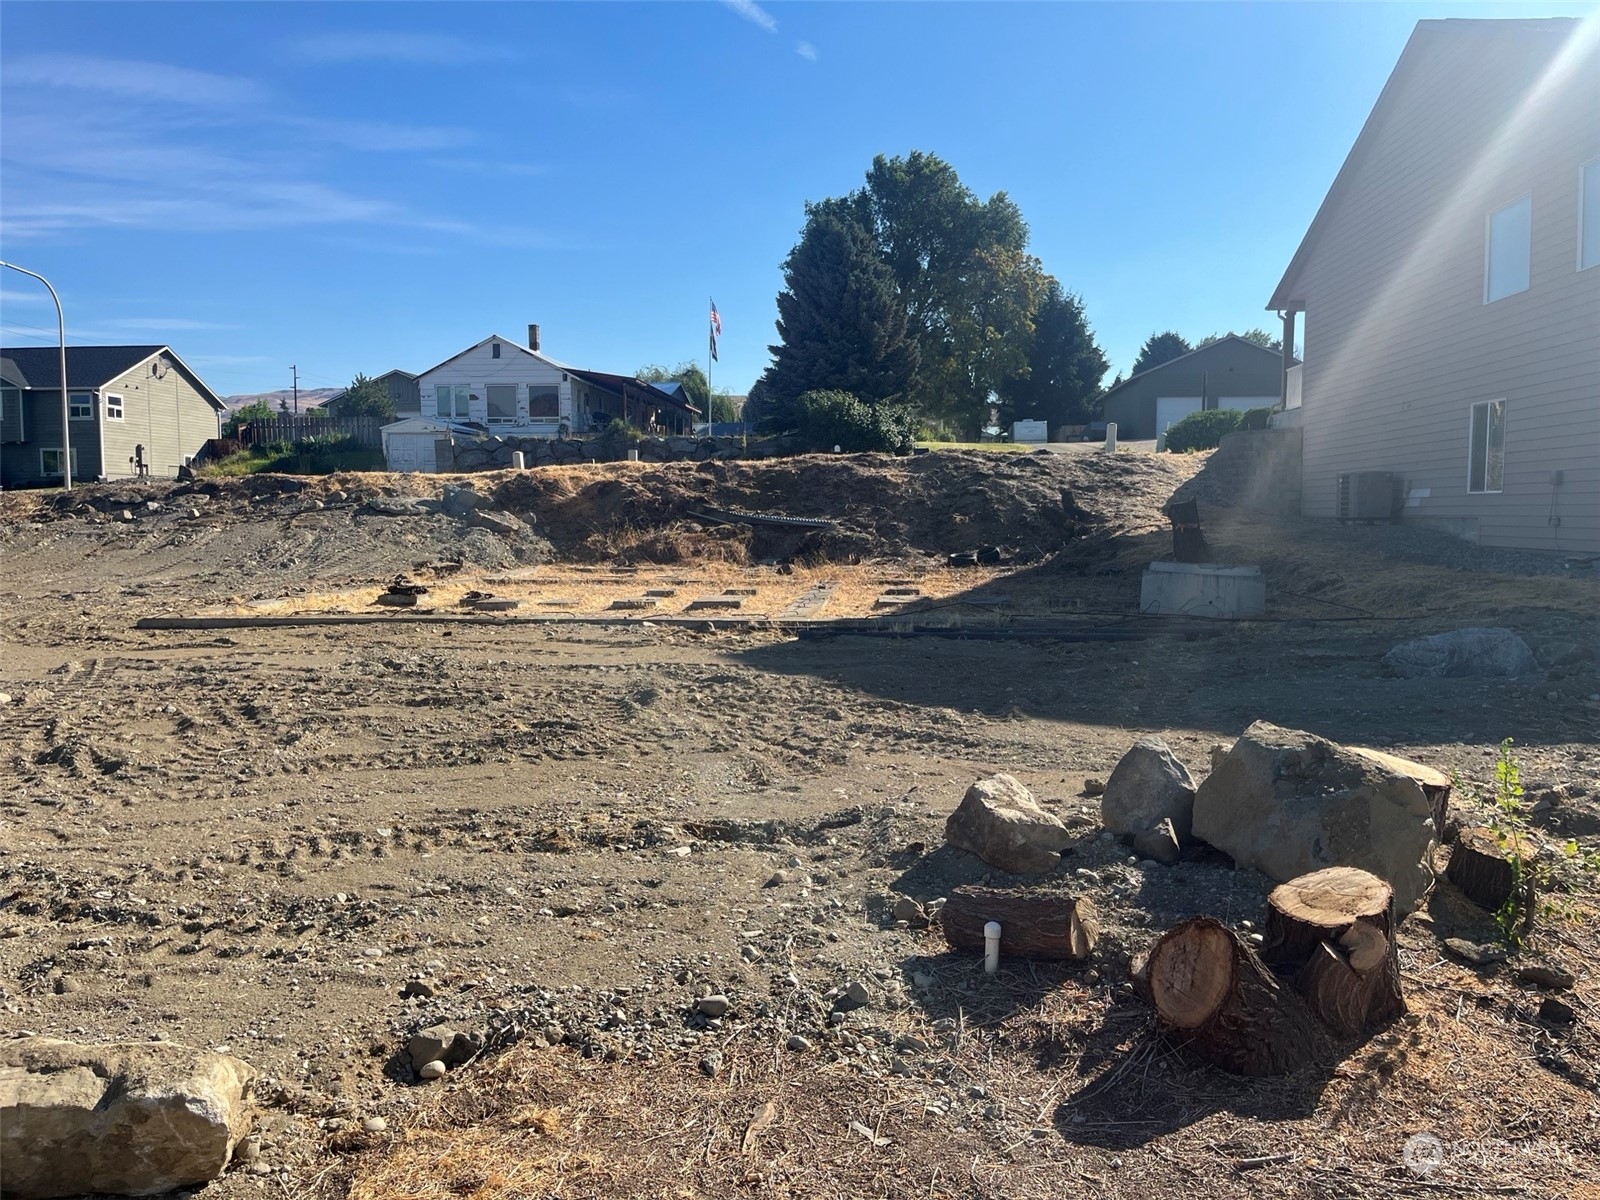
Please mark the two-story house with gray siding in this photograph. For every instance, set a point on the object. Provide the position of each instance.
(132, 410)
(1231, 372)
(1450, 290)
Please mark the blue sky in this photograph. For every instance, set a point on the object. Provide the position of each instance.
(358, 187)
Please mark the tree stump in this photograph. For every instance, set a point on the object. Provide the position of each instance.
(1481, 867)
(1033, 923)
(1435, 784)
(1208, 985)
(1332, 933)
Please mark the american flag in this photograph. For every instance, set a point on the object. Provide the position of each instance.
(716, 330)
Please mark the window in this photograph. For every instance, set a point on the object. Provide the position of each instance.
(50, 461)
(463, 403)
(1589, 215)
(502, 403)
(1486, 450)
(543, 402)
(113, 408)
(1507, 262)
(441, 400)
(80, 407)
(494, 350)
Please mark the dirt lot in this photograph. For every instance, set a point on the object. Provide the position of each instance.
(255, 838)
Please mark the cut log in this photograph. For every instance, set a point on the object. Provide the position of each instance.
(1332, 933)
(1481, 867)
(1033, 923)
(1210, 987)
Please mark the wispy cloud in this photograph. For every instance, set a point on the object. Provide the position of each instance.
(110, 149)
(420, 49)
(754, 13)
(806, 51)
(23, 297)
(132, 79)
(161, 324)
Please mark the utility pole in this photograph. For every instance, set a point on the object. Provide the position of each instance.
(296, 371)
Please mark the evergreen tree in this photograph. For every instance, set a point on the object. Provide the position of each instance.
(366, 398)
(842, 328)
(1159, 348)
(1061, 385)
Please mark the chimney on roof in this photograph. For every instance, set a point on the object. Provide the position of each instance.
(533, 337)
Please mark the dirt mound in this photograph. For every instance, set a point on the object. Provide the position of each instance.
(1030, 504)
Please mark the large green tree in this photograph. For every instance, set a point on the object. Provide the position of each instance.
(366, 398)
(1065, 365)
(840, 323)
(693, 379)
(1259, 336)
(1159, 348)
(963, 273)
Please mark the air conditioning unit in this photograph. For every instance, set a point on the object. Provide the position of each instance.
(1366, 496)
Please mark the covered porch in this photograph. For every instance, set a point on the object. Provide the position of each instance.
(623, 398)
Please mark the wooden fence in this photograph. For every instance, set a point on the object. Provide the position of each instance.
(291, 427)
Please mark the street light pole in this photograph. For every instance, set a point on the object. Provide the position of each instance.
(66, 407)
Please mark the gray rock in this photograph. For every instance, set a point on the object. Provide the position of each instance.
(433, 1070)
(374, 1124)
(1288, 803)
(1547, 976)
(460, 500)
(908, 910)
(713, 1006)
(1472, 952)
(799, 1044)
(999, 821)
(1159, 843)
(136, 1118)
(1462, 653)
(397, 506)
(430, 1044)
(1149, 786)
(496, 522)
(1218, 752)
(855, 996)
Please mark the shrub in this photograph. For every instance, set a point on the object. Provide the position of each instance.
(1256, 418)
(616, 439)
(1202, 430)
(826, 419)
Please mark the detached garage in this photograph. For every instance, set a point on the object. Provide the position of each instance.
(413, 444)
(1229, 373)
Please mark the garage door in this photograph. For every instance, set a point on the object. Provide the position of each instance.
(1174, 408)
(411, 452)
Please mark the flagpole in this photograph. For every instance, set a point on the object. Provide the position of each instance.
(711, 352)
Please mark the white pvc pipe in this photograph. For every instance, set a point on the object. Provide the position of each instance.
(991, 947)
(1111, 437)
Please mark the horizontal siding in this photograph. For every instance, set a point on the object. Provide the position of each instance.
(1398, 341)
(166, 415)
(1226, 369)
(478, 368)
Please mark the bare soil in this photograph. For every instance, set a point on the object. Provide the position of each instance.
(255, 838)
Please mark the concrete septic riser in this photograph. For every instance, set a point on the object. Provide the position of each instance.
(1200, 590)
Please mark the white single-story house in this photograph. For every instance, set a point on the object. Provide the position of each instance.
(516, 390)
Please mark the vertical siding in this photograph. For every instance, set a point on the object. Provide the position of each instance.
(1223, 369)
(167, 416)
(1399, 343)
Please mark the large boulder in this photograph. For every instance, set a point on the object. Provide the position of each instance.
(131, 1118)
(1462, 653)
(999, 821)
(1288, 803)
(1148, 786)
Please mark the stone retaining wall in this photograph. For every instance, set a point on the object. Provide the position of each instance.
(492, 454)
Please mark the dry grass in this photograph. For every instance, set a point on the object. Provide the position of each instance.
(1079, 1096)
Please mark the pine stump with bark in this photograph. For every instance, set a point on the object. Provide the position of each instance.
(1033, 923)
(1208, 986)
(1332, 933)
(1482, 868)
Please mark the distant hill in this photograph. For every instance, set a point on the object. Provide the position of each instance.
(308, 397)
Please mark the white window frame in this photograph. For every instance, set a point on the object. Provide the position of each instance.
(489, 417)
(1472, 449)
(80, 406)
(1488, 248)
(1583, 199)
(56, 450)
(113, 413)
